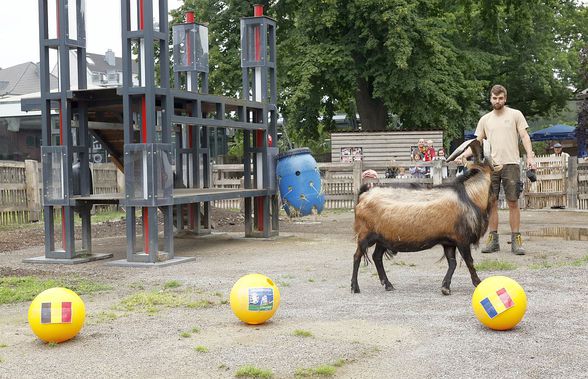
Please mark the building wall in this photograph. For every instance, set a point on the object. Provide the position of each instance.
(18, 146)
(378, 148)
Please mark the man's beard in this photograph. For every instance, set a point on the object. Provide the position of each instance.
(497, 106)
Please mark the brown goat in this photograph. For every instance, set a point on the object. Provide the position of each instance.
(417, 218)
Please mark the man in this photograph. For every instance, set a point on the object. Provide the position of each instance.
(558, 152)
(502, 128)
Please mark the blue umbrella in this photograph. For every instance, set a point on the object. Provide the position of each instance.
(555, 132)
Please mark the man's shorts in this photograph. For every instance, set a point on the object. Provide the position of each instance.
(509, 176)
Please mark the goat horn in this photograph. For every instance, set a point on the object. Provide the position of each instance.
(474, 144)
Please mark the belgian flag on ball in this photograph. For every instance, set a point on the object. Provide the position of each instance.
(56, 312)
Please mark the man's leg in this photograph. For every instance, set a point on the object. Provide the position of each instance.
(514, 216)
(512, 191)
(492, 244)
(493, 219)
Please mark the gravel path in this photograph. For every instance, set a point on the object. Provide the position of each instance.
(412, 332)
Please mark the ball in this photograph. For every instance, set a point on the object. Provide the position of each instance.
(254, 298)
(57, 315)
(499, 302)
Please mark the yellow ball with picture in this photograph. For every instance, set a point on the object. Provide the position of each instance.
(254, 298)
(499, 302)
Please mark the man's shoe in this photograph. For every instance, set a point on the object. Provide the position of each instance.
(517, 244)
(492, 245)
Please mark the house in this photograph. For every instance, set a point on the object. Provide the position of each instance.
(102, 70)
(20, 132)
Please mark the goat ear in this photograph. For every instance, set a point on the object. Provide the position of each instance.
(474, 144)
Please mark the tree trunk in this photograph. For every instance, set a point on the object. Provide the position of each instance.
(373, 113)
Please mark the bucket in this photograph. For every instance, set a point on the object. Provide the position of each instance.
(299, 181)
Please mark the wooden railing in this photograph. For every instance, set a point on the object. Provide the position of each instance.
(20, 192)
(559, 184)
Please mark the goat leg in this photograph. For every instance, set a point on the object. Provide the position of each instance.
(356, 261)
(466, 254)
(452, 263)
(377, 257)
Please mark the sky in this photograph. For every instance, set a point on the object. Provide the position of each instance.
(19, 29)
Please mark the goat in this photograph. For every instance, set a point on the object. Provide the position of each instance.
(415, 218)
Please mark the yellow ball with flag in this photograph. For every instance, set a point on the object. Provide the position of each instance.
(254, 298)
(57, 315)
(499, 302)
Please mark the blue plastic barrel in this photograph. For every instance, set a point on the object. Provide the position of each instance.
(299, 181)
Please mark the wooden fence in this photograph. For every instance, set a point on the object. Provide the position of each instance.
(20, 192)
(559, 184)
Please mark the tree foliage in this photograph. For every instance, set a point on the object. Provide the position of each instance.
(406, 64)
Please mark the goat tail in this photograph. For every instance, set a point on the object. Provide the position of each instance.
(389, 254)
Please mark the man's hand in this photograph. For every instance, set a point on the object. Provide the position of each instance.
(531, 165)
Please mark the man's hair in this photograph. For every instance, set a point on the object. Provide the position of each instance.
(497, 89)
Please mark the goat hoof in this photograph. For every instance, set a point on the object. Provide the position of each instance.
(476, 282)
(355, 289)
(445, 291)
(388, 287)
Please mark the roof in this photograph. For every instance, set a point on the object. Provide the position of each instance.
(21, 79)
(97, 63)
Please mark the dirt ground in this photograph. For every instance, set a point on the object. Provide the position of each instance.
(411, 332)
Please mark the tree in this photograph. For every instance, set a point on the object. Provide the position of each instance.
(404, 64)
(393, 57)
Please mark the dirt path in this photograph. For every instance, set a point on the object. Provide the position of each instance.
(412, 332)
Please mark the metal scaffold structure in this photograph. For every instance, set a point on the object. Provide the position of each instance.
(157, 135)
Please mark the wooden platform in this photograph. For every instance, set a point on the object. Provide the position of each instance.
(180, 196)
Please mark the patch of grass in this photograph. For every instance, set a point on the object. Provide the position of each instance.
(218, 294)
(495, 265)
(1, 360)
(104, 316)
(323, 370)
(540, 265)
(249, 371)
(185, 334)
(580, 262)
(196, 330)
(301, 333)
(153, 301)
(108, 216)
(201, 349)
(281, 283)
(200, 304)
(52, 344)
(137, 286)
(2, 345)
(545, 264)
(172, 284)
(149, 302)
(25, 288)
(310, 280)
